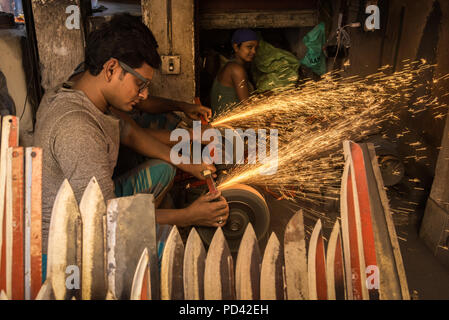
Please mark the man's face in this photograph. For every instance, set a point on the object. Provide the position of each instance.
(125, 90)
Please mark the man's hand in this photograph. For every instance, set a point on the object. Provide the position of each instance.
(197, 169)
(195, 111)
(204, 211)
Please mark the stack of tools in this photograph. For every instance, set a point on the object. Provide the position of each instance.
(20, 215)
(114, 246)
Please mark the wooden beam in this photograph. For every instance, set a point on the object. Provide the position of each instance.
(259, 19)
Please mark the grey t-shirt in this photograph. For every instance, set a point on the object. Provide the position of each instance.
(79, 142)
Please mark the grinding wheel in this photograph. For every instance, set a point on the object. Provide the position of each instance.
(246, 205)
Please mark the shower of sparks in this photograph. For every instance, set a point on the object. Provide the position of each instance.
(314, 119)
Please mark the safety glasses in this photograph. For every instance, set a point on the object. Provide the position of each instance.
(146, 82)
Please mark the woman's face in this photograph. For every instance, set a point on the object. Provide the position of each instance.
(247, 50)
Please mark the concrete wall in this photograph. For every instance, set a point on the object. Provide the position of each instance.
(12, 67)
(154, 15)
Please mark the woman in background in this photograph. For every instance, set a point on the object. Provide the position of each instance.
(231, 84)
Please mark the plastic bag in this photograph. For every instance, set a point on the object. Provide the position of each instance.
(314, 41)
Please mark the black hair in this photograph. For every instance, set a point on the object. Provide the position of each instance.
(125, 38)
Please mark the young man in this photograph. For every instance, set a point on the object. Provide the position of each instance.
(81, 124)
